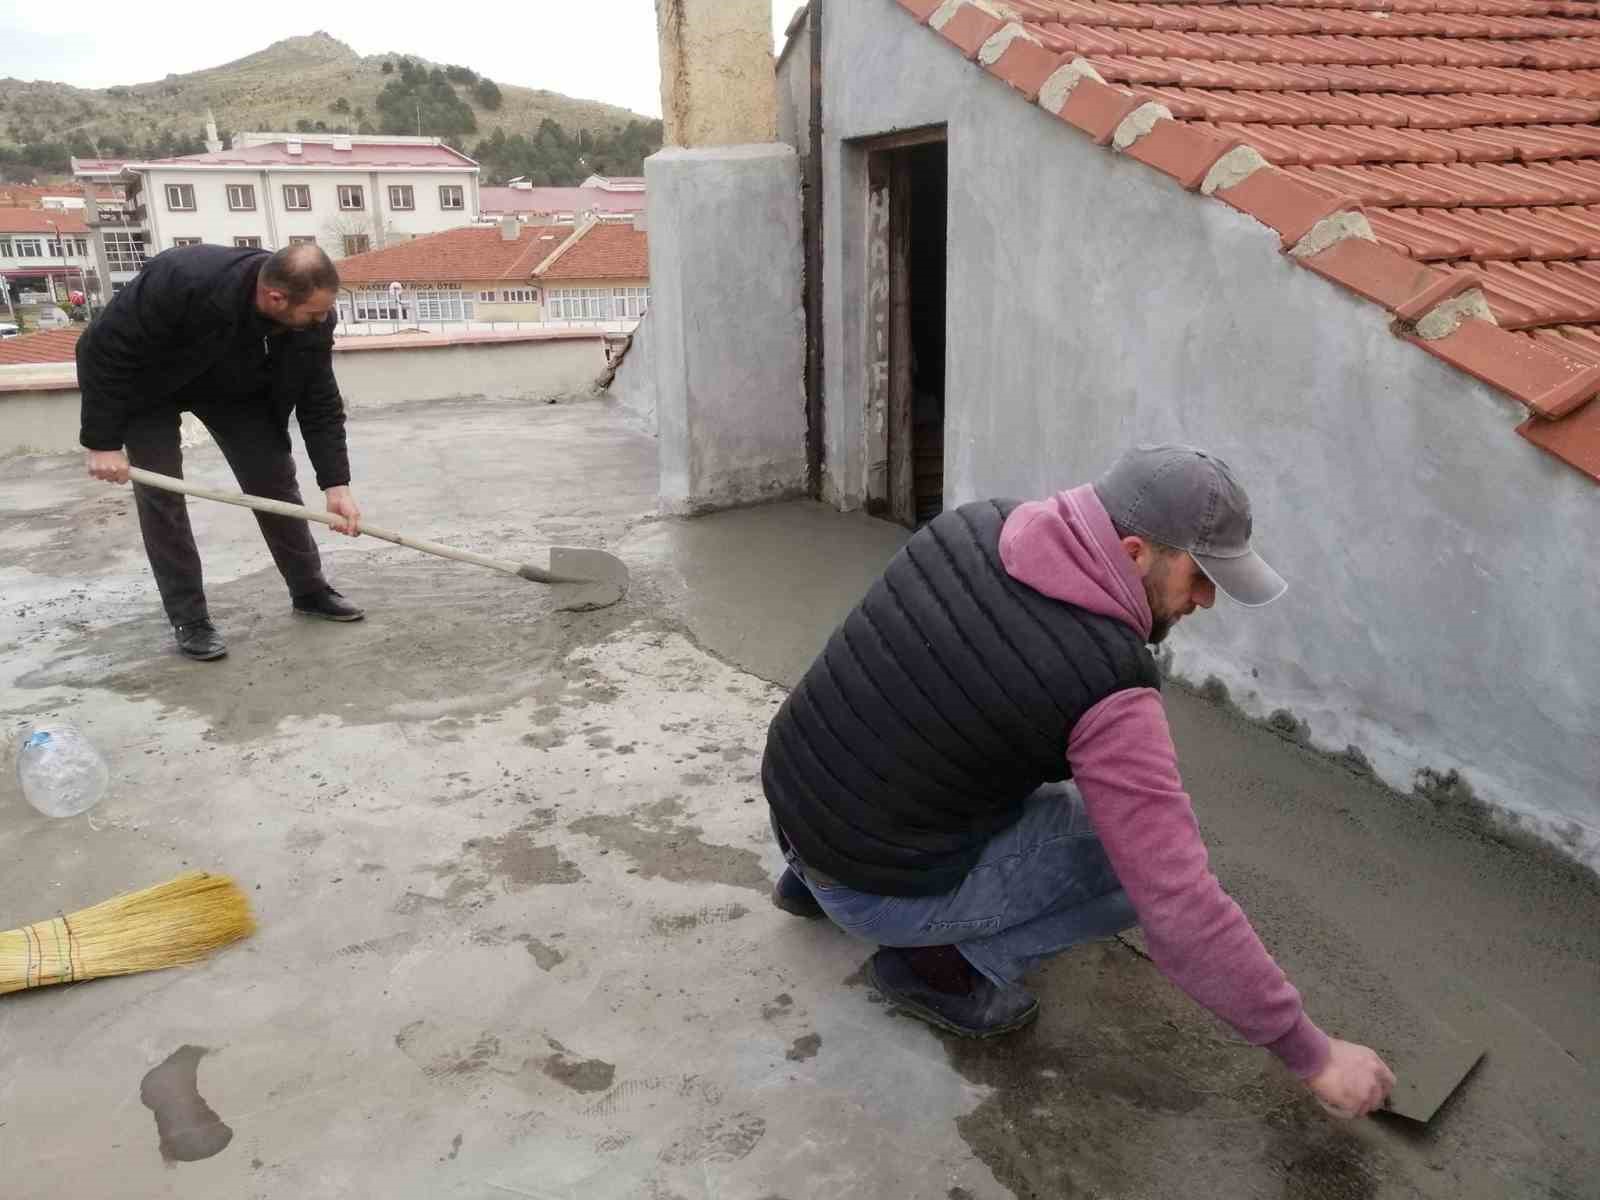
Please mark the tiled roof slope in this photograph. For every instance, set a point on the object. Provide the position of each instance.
(1439, 157)
(602, 251)
(471, 254)
(51, 346)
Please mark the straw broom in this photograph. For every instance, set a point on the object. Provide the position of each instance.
(173, 923)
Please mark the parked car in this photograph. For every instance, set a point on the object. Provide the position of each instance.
(8, 330)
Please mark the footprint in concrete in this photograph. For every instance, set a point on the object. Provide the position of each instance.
(581, 1075)
(188, 1128)
(725, 1140)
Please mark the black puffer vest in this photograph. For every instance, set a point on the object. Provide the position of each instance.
(943, 701)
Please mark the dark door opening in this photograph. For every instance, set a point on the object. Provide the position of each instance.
(907, 216)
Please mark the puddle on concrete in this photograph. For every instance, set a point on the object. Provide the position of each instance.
(187, 1127)
(673, 850)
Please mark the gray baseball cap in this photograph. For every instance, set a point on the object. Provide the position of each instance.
(1183, 497)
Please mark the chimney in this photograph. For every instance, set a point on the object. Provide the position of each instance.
(640, 223)
(341, 141)
(294, 146)
(510, 229)
(213, 142)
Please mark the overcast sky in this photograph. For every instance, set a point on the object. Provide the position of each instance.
(592, 49)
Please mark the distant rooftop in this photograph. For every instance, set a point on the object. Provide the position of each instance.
(601, 251)
(51, 346)
(551, 201)
(41, 220)
(474, 253)
(322, 150)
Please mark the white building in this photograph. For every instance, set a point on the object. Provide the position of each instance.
(44, 254)
(348, 193)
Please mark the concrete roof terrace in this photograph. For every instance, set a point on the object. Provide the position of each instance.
(511, 871)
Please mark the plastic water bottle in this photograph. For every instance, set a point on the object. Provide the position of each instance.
(61, 774)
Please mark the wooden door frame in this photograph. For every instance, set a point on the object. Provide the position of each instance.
(890, 469)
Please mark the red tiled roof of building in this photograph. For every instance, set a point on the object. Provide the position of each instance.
(38, 220)
(466, 255)
(1453, 146)
(398, 156)
(602, 251)
(50, 346)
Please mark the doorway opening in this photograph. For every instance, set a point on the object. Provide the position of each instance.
(907, 210)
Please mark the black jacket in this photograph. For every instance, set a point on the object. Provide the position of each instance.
(172, 325)
(944, 700)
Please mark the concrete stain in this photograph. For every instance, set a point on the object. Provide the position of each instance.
(455, 1147)
(545, 957)
(585, 1075)
(804, 1048)
(665, 848)
(724, 1140)
(683, 922)
(779, 1006)
(188, 1129)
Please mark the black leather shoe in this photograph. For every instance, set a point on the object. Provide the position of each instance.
(200, 640)
(792, 895)
(328, 605)
(984, 1012)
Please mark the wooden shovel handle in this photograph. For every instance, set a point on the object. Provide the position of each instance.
(284, 509)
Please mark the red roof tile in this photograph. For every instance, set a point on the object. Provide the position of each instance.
(1466, 132)
(468, 255)
(602, 251)
(51, 346)
(40, 220)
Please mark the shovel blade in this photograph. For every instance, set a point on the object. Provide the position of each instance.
(604, 576)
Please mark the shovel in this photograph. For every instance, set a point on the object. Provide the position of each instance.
(582, 580)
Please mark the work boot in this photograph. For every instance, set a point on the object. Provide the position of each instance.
(792, 895)
(962, 1001)
(199, 640)
(327, 604)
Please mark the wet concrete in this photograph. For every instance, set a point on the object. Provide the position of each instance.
(187, 1128)
(510, 868)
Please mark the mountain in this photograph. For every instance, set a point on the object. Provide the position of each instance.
(293, 83)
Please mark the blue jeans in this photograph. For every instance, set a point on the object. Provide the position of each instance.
(1040, 887)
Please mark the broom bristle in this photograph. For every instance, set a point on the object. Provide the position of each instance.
(168, 925)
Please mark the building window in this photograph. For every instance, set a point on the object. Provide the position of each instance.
(28, 248)
(125, 250)
(486, 297)
(443, 303)
(5, 247)
(247, 243)
(629, 302)
(81, 247)
(517, 296)
(356, 243)
(401, 197)
(452, 197)
(302, 239)
(241, 197)
(584, 304)
(377, 305)
(297, 197)
(180, 197)
(185, 242)
(350, 197)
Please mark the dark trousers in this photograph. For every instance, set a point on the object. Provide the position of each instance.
(258, 450)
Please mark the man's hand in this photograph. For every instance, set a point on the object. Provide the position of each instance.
(342, 504)
(1354, 1083)
(108, 465)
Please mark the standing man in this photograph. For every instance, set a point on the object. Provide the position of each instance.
(915, 774)
(240, 338)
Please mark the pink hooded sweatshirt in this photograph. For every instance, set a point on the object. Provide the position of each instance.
(1124, 763)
